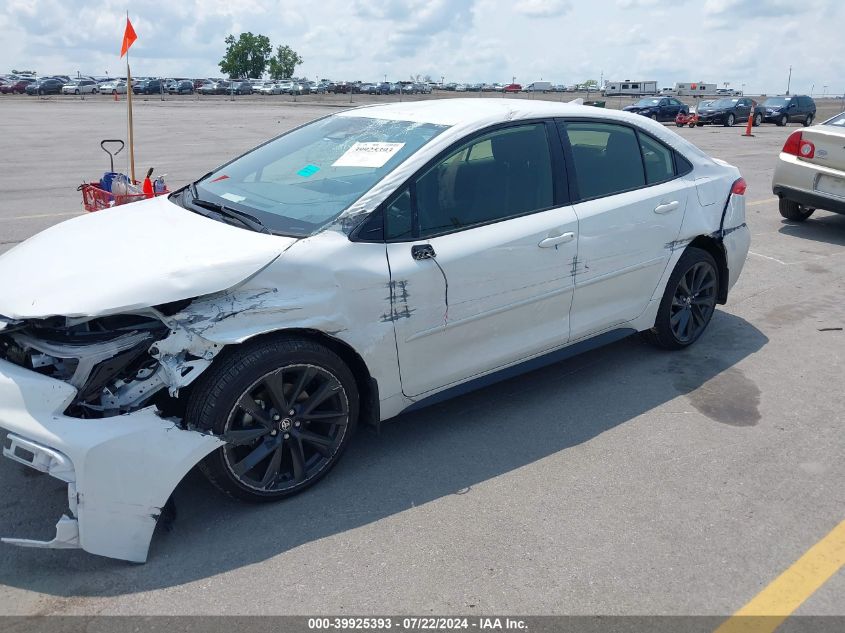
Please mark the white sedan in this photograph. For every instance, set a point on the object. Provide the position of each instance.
(113, 87)
(810, 172)
(368, 263)
(269, 88)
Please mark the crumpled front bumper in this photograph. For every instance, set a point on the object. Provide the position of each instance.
(120, 470)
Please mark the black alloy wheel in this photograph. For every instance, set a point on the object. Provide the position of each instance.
(688, 303)
(285, 408)
(693, 302)
(285, 428)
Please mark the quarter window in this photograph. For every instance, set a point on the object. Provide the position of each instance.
(607, 158)
(502, 174)
(657, 159)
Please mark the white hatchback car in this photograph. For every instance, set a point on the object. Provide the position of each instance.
(364, 264)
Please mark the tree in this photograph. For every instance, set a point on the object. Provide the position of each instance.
(246, 56)
(285, 61)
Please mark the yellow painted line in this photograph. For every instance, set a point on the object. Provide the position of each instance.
(768, 609)
(759, 202)
(42, 215)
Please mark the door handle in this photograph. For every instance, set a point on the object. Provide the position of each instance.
(557, 239)
(667, 207)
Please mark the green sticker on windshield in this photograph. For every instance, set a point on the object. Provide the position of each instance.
(308, 170)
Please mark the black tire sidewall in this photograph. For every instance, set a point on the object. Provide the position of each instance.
(218, 389)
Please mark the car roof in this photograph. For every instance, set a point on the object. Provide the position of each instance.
(473, 111)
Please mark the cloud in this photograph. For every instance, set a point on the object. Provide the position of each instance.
(542, 8)
(463, 40)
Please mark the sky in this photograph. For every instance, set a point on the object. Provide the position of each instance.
(750, 43)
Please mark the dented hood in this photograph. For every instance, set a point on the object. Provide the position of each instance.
(129, 257)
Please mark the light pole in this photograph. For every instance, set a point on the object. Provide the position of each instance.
(824, 94)
(743, 89)
(789, 81)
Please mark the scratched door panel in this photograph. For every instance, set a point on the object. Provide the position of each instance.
(624, 246)
(507, 299)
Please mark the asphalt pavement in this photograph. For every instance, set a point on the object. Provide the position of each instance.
(627, 480)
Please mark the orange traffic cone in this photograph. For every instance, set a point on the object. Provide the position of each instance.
(749, 124)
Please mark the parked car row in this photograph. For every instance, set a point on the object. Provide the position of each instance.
(731, 110)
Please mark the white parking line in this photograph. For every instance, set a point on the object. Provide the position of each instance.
(774, 259)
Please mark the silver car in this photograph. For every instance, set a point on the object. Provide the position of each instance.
(269, 88)
(81, 86)
(810, 172)
(113, 87)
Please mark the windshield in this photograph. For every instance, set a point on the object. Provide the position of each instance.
(777, 101)
(723, 103)
(647, 102)
(838, 120)
(301, 181)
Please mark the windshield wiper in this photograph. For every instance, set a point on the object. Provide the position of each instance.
(246, 219)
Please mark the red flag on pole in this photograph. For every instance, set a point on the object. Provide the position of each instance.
(129, 37)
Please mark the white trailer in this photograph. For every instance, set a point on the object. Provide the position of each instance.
(538, 86)
(695, 88)
(629, 87)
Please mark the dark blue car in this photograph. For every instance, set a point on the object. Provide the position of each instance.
(658, 108)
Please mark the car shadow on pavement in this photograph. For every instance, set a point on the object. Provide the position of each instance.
(417, 458)
(820, 227)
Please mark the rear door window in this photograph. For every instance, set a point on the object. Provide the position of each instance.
(657, 158)
(606, 158)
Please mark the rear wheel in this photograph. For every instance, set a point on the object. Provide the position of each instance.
(76, 92)
(793, 211)
(286, 408)
(688, 303)
(808, 121)
(654, 117)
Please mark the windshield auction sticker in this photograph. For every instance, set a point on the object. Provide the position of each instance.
(372, 154)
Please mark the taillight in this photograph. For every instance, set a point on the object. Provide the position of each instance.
(739, 187)
(796, 145)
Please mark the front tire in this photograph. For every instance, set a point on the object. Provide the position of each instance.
(783, 121)
(730, 121)
(286, 407)
(793, 211)
(688, 303)
(758, 120)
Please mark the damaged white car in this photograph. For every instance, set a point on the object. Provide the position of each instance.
(366, 263)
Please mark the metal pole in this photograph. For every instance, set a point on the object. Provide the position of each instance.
(129, 92)
(789, 81)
